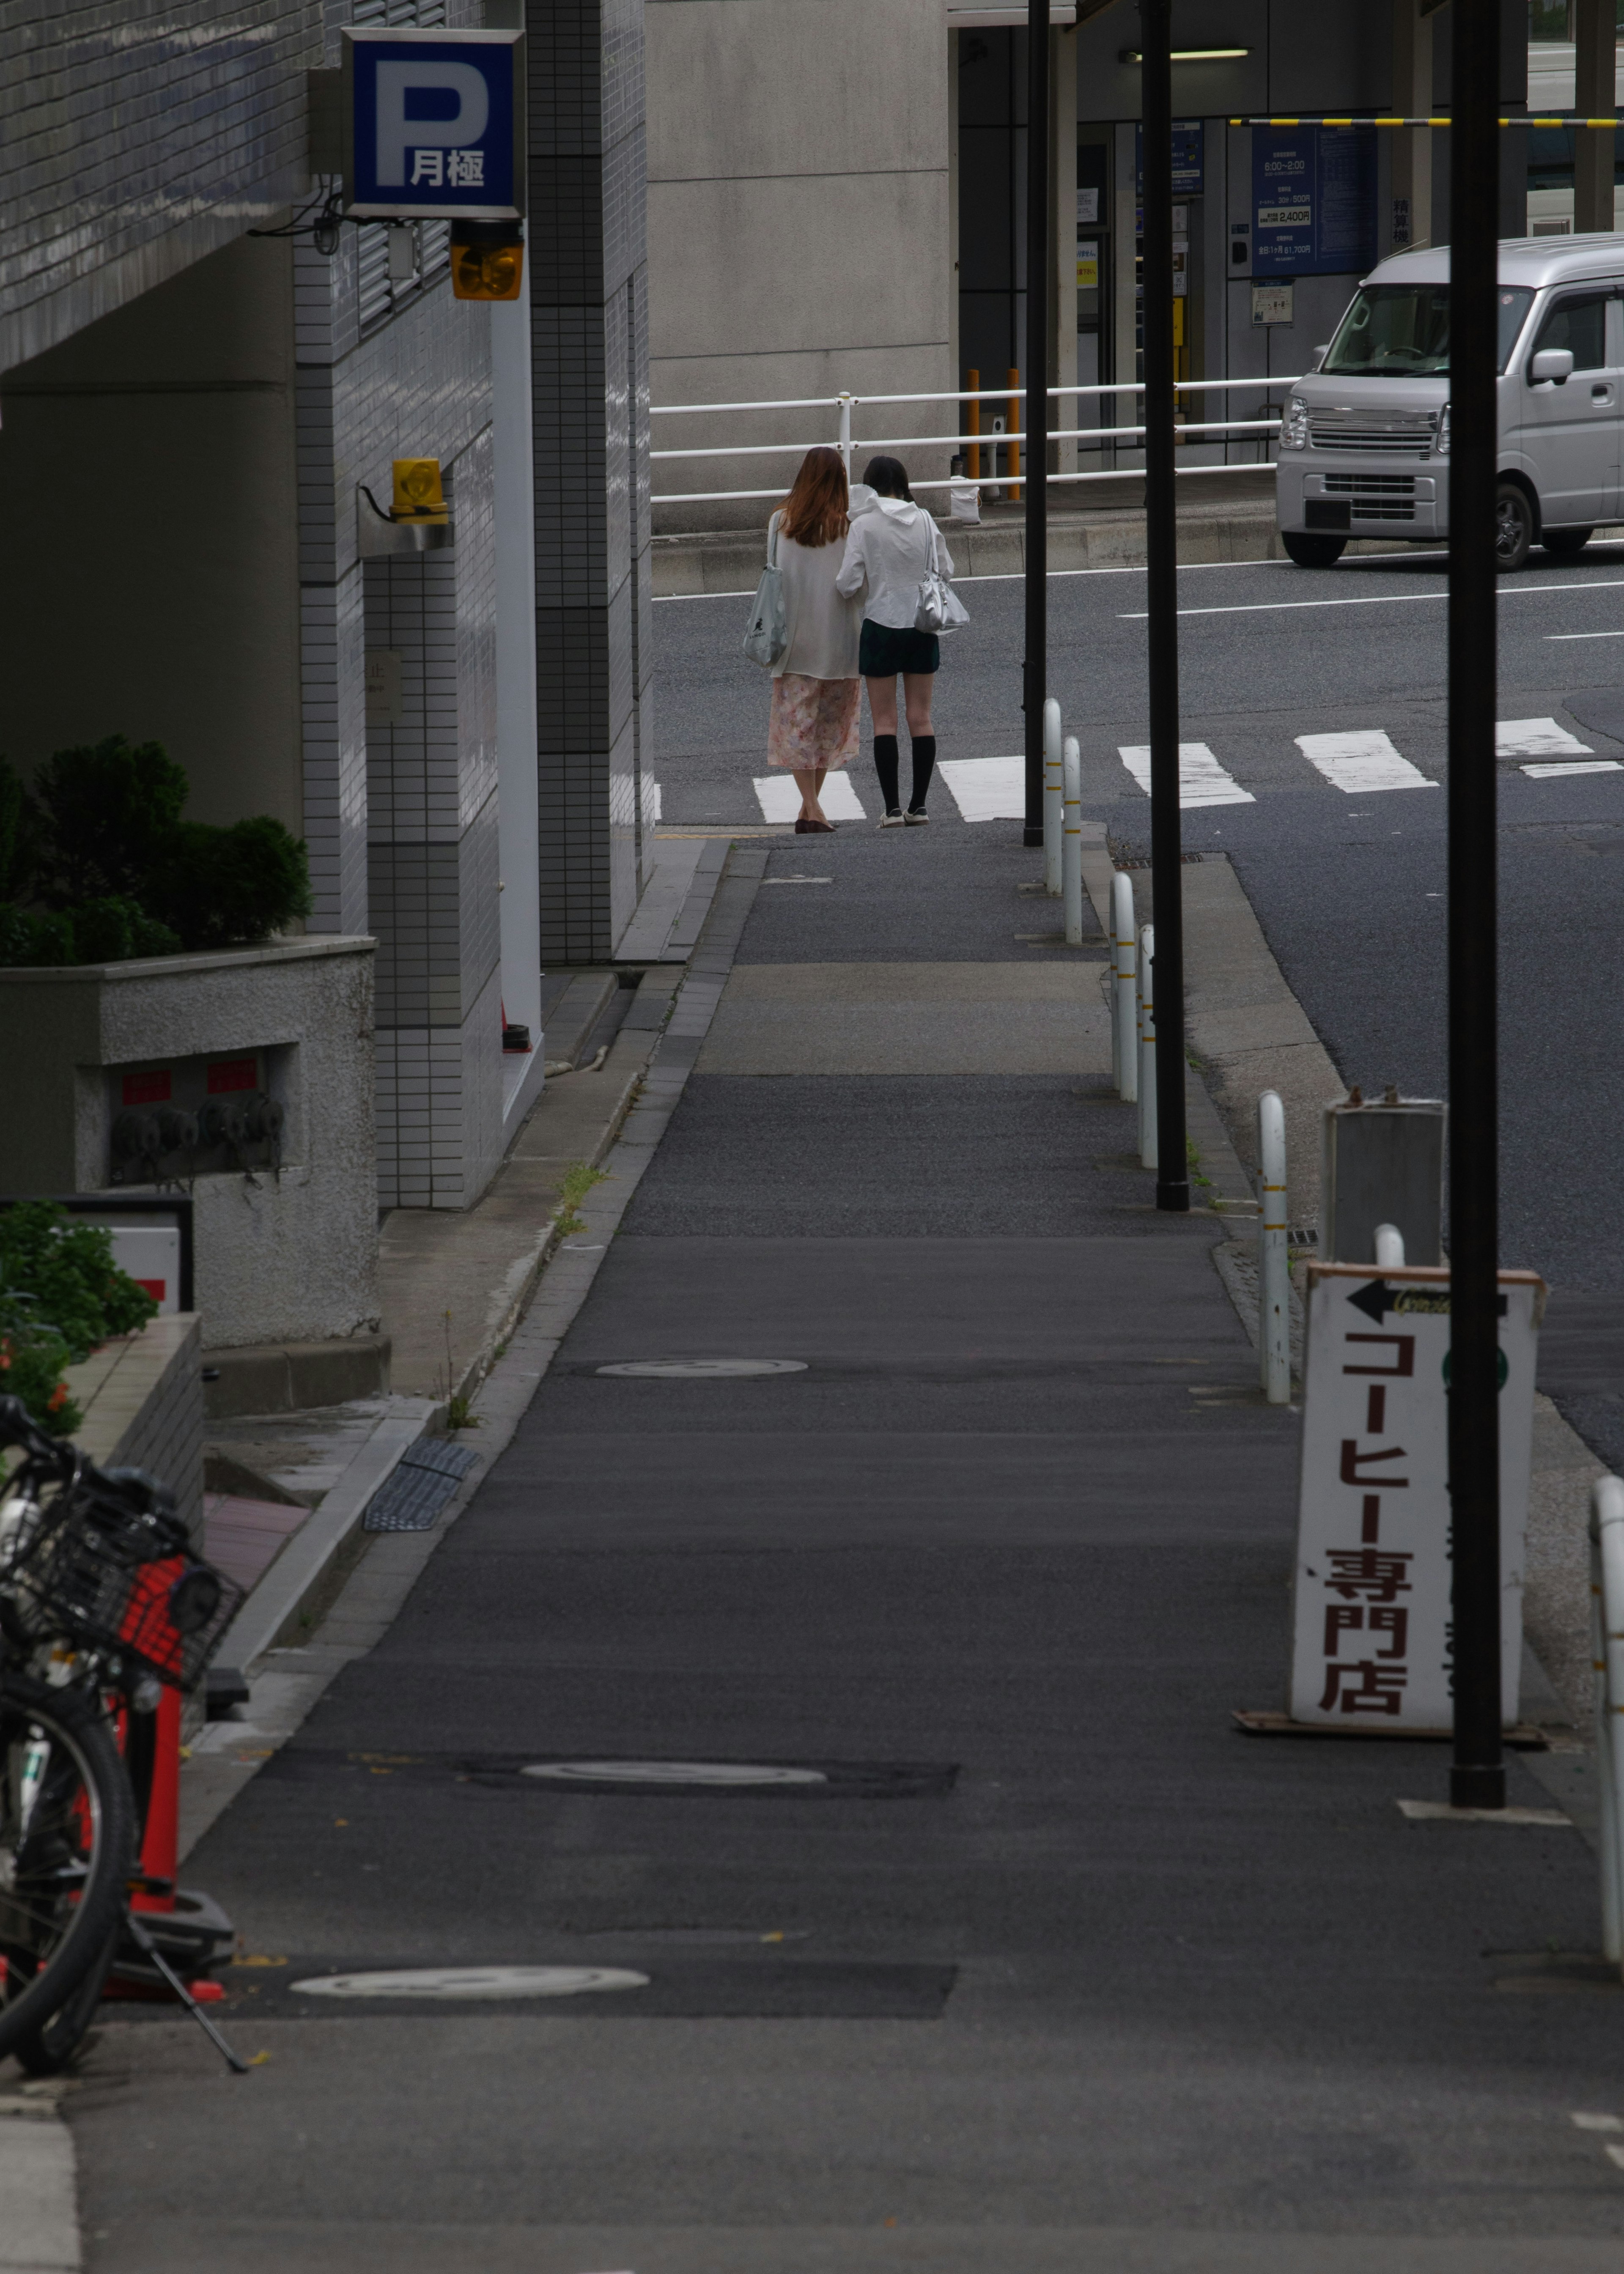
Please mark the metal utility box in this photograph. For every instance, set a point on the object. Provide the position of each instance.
(1383, 1163)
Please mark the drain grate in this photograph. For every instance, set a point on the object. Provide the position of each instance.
(411, 1499)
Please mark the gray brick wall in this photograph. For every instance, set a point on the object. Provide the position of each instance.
(590, 356)
(135, 139)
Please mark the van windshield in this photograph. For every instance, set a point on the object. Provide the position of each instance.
(1401, 331)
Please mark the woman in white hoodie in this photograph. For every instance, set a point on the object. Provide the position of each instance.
(891, 549)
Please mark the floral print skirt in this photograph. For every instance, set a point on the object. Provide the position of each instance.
(813, 722)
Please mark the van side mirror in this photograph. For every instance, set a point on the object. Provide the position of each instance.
(1553, 364)
(1319, 356)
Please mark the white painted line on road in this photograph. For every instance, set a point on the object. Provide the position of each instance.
(1570, 636)
(780, 800)
(726, 1775)
(1377, 600)
(797, 880)
(987, 789)
(1537, 738)
(1201, 780)
(1362, 762)
(1438, 1811)
(1588, 2123)
(1577, 766)
(441, 1984)
(1617, 2156)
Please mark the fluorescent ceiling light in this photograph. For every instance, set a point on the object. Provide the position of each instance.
(1189, 54)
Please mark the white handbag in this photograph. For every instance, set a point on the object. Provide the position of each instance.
(940, 609)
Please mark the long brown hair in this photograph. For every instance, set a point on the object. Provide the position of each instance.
(815, 511)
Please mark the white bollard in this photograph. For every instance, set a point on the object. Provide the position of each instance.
(1052, 795)
(1124, 996)
(1148, 1048)
(1607, 1655)
(1274, 1259)
(1071, 841)
(1389, 1246)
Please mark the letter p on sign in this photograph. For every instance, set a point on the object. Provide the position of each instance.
(396, 134)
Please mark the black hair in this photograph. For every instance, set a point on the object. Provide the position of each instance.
(889, 476)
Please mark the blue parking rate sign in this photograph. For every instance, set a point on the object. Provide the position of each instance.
(433, 125)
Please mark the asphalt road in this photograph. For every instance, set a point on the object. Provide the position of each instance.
(1350, 889)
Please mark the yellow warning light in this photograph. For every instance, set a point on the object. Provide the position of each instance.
(487, 272)
(418, 495)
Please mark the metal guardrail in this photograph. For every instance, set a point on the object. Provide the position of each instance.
(843, 439)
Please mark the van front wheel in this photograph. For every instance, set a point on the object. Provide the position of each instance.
(1514, 528)
(1310, 550)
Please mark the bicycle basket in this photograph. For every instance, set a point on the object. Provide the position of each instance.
(92, 1578)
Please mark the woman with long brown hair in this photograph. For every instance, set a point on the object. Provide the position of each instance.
(816, 692)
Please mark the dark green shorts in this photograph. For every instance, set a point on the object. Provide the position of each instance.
(884, 651)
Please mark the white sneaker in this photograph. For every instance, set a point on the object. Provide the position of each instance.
(916, 820)
(894, 819)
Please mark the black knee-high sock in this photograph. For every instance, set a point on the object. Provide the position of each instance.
(924, 763)
(885, 764)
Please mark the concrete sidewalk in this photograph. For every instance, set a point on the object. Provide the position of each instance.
(1017, 1954)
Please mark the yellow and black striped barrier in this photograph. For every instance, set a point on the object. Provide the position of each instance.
(1597, 123)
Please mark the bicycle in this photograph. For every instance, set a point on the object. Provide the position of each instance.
(101, 1604)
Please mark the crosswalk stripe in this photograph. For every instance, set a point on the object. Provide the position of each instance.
(987, 789)
(1201, 780)
(1362, 763)
(1576, 767)
(780, 800)
(1537, 738)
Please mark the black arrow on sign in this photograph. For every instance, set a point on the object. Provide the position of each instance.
(1375, 1301)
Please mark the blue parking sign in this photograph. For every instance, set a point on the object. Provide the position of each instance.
(433, 125)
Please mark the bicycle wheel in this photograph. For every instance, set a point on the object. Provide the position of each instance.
(45, 2051)
(67, 1838)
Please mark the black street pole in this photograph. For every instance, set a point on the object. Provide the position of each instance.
(1477, 1776)
(1162, 601)
(1034, 678)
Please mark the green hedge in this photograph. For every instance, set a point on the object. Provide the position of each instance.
(97, 864)
(61, 1294)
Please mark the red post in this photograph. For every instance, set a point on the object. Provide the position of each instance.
(161, 1845)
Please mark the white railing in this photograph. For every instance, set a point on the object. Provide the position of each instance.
(847, 444)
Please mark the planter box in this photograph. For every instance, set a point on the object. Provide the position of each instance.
(142, 1399)
(285, 1222)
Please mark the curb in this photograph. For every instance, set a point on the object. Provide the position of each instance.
(285, 1591)
(39, 2206)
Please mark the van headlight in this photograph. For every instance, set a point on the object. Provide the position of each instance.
(1294, 425)
(1443, 432)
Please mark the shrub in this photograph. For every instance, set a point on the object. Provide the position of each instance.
(218, 886)
(111, 809)
(32, 1358)
(122, 873)
(66, 1266)
(113, 929)
(20, 836)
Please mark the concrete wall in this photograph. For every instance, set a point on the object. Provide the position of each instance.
(280, 1253)
(149, 585)
(799, 227)
(138, 139)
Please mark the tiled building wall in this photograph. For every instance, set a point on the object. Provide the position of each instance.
(402, 822)
(138, 140)
(590, 356)
(432, 858)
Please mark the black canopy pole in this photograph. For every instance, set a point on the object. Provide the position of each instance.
(1035, 678)
(1162, 600)
(1478, 1777)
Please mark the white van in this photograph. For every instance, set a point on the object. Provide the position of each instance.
(1364, 439)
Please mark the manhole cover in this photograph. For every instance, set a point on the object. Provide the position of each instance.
(703, 1369)
(474, 1982)
(725, 1773)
